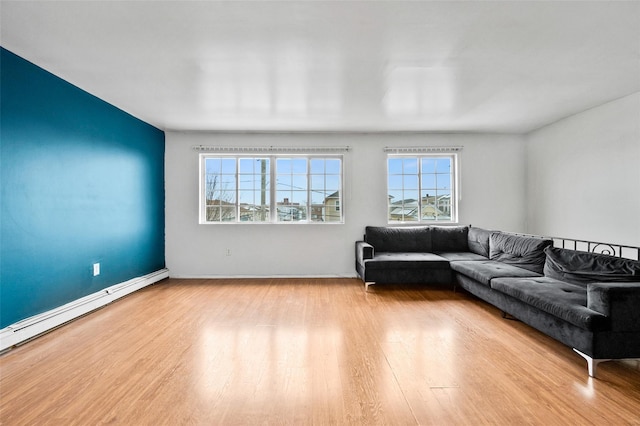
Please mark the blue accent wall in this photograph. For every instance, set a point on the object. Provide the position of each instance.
(82, 182)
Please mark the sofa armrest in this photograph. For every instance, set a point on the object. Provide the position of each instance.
(364, 251)
(618, 301)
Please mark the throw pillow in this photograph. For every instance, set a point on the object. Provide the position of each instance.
(397, 239)
(519, 250)
(449, 238)
(478, 241)
(582, 268)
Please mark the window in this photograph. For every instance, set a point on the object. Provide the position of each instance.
(272, 188)
(422, 188)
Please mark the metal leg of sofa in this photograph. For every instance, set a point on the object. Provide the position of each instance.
(367, 284)
(592, 364)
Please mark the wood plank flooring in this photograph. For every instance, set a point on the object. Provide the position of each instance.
(306, 351)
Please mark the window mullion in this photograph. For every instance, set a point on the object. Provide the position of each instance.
(237, 189)
(203, 191)
(419, 189)
(324, 189)
(436, 203)
(308, 189)
(273, 214)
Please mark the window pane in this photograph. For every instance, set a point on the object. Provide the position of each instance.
(299, 198)
(213, 165)
(395, 195)
(246, 182)
(393, 214)
(443, 165)
(213, 213)
(428, 165)
(246, 214)
(247, 165)
(227, 182)
(410, 182)
(428, 195)
(299, 182)
(229, 165)
(444, 181)
(410, 166)
(333, 182)
(283, 165)
(283, 197)
(395, 165)
(246, 197)
(227, 197)
(317, 166)
(410, 196)
(333, 166)
(227, 213)
(318, 197)
(289, 213)
(428, 181)
(283, 183)
(299, 165)
(395, 182)
(214, 200)
(409, 211)
(317, 182)
(428, 212)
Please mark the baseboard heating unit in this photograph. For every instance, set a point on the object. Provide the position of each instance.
(31, 327)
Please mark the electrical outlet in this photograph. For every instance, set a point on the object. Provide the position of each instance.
(228, 252)
(96, 269)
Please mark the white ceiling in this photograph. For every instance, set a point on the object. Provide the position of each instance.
(507, 66)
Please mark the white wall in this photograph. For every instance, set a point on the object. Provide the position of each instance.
(583, 175)
(492, 182)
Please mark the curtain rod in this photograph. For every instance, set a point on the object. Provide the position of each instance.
(416, 149)
(282, 149)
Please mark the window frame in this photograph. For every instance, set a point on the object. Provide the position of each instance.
(454, 191)
(273, 204)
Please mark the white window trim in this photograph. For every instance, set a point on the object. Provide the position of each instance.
(422, 152)
(273, 203)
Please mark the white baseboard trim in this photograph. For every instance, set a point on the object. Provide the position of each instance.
(31, 327)
(266, 277)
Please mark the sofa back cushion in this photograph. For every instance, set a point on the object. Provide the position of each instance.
(393, 239)
(582, 268)
(449, 238)
(518, 250)
(478, 241)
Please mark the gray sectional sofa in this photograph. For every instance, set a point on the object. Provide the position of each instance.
(588, 301)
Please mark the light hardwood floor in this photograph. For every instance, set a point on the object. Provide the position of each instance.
(306, 351)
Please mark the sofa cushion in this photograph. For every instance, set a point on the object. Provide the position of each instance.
(407, 260)
(484, 271)
(456, 256)
(395, 239)
(582, 268)
(560, 299)
(478, 241)
(521, 251)
(449, 238)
